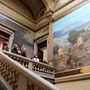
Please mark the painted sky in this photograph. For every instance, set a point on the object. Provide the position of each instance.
(73, 20)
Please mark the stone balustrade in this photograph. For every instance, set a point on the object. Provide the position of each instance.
(41, 69)
(21, 78)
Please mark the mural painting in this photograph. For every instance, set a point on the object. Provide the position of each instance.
(71, 40)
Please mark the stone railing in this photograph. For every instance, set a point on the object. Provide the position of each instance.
(21, 78)
(39, 68)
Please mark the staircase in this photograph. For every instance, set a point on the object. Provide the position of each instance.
(24, 74)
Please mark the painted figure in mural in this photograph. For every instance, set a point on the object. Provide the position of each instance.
(23, 52)
(61, 52)
(6, 47)
(15, 49)
(79, 41)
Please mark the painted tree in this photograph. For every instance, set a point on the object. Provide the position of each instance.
(73, 36)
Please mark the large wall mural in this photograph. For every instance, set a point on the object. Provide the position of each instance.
(71, 40)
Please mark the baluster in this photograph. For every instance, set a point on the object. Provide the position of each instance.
(13, 58)
(48, 70)
(21, 61)
(41, 69)
(34, 67)
(9, 56)
(27, 63)
(17, 60)
(38, 68)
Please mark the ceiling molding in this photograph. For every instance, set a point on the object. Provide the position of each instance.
(16, 22)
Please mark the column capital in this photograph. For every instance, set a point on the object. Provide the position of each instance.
(49, 14)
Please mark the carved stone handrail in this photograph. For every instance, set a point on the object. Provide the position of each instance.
(21, 78)
(39, 68)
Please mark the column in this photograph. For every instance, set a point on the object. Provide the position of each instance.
(50, 43)
(35, 49)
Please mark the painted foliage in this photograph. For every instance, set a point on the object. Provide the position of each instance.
(71, 40)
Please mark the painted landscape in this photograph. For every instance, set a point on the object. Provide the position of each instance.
(71, 40)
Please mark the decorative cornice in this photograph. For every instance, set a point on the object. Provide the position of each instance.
(69, 10)
(15, 21)
(63, 5)
(41, 39)
(5, 27)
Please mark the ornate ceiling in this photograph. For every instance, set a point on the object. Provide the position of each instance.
(36, 7)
